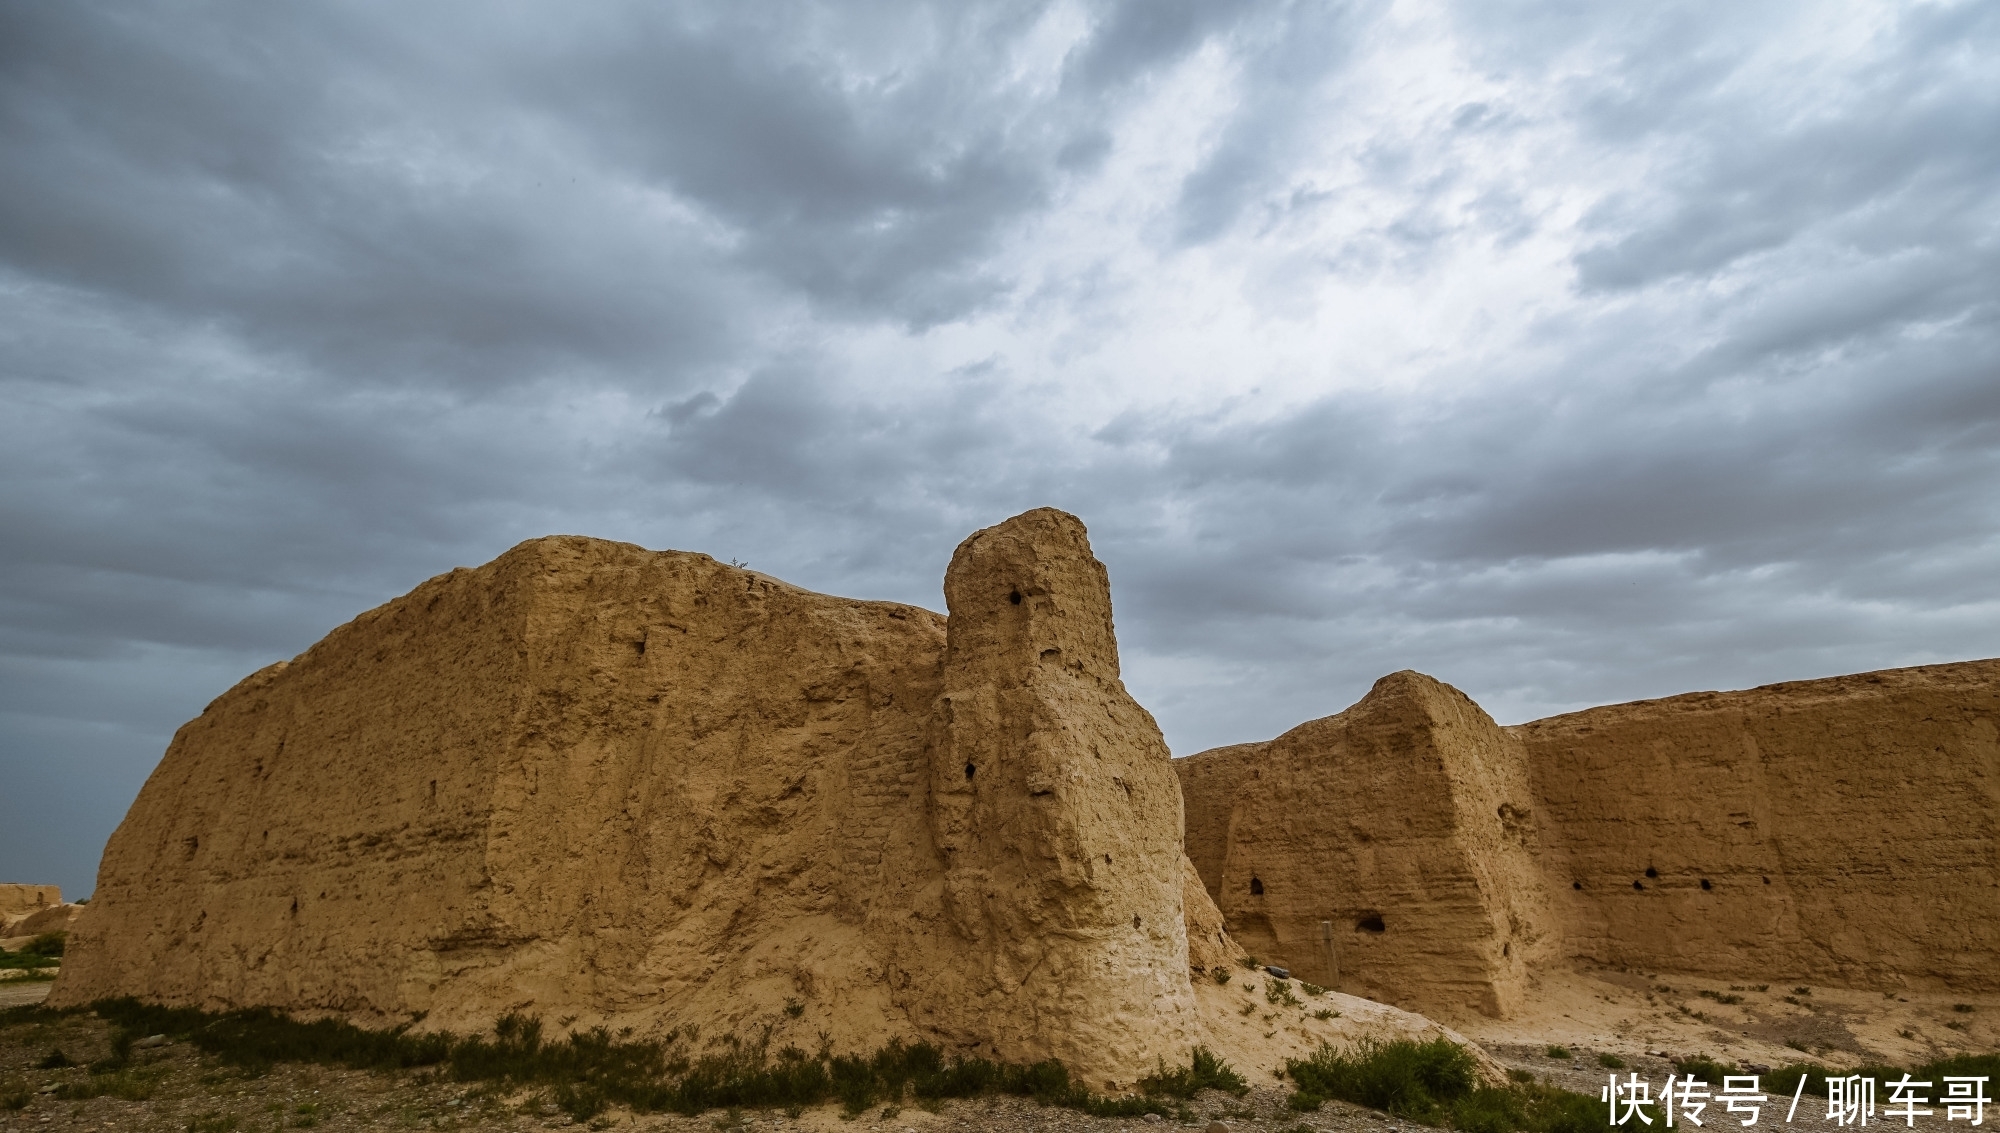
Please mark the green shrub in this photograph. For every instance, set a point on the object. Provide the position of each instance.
(1558, 1052)
(1705, 1068)
(1311, 988)
(1436, 1083)
(1204, 1072)
(584, 1073)
(1611, 1062)
(47, 944)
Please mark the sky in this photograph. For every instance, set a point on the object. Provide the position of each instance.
(1569, 352)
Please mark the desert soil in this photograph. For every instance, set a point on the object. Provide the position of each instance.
(175, 1089)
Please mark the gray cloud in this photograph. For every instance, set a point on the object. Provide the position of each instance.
(1575, 355)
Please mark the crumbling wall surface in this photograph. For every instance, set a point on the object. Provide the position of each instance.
(1401, 828)
(19, 900)
(1058, 816)
(1841, 831)
(585, 779)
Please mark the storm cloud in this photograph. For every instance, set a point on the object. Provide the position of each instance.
(1569, 353)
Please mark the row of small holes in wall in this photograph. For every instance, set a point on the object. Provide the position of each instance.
(1655, 873)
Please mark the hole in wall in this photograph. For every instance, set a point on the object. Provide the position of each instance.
(970, 770)
(639, 646)
(1135, 920)
(1256, 887)
(1705, 884)
(1576, 885)
(1639, 885)
(1767, 881)
(1107, 859)
(1506, 950)
(1371, 923)
(1014, 597)
(1651, 872)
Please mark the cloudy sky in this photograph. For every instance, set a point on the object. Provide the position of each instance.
(1570, 352)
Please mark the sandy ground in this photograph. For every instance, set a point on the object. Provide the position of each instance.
(1625, 1015)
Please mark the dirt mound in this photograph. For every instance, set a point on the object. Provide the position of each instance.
(1842, 831)
(615, 786)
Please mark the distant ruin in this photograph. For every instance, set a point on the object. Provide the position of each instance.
(1843, 831)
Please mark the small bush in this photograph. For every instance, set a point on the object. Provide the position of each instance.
(1558, 1052)
(794, 1008)
(1719, 997)
(15, 1093)
(1311, 989)
(1250, 962)
(1325, 1013)
(1221, 975)
(1519, 1075)
(1801, 991)
(1204, 1072)
(1611, 1062)
(1705, 1068)
(1435, 1084)
(47, 944)
(56, 1060)
(24, 960)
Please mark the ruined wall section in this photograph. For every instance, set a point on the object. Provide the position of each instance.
(640, 788)
(1058, 815)
(1403, 826)
(1841, 831)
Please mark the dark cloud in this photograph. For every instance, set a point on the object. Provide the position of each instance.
(1570, 353)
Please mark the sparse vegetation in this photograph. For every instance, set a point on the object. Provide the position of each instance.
(1315, 989)
(1221, 975)
(48, 944)
(1325, 1013)
(1558, 1052)
(1719, 997)
(1434, 1083)
(584, 1073)
(1611, 1062)
(1801, 991)
(794, 1009)
(1705, 1068)
(1962, 1008)
(1251, 963)
(1280, 991)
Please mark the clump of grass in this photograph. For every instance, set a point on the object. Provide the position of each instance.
(1611, 1062)
(1558, 1052)
(1801, 991)
(1521, 1075)
(586, 1072)
(1221, 975)
(1204, 1071)
(1250, 962)
(1435, 1083)
(1719, 997)
(1325, 1013)
(1311, 988)
(1280, 991)
(1962, 1008)
(15, 1093)
(1705, 1068)
(794, 1009)
(24, 960)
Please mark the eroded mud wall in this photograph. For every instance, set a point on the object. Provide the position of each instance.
(1387, 850)
(1839, 831)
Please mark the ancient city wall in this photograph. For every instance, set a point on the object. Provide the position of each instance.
(19, 900)
(1841, 831)
(641, 788)
(1385, 851)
